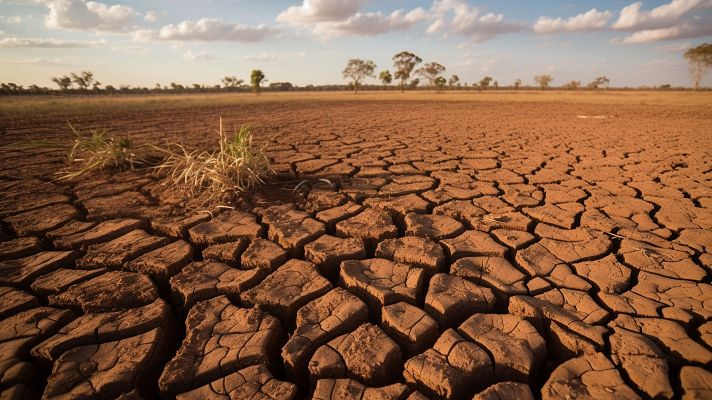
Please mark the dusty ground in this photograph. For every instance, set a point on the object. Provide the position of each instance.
(466, 246)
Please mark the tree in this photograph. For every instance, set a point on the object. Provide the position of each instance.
(385, 77)
(517, 84)
(357, 69)
(543, 81)
(454, 81)
(431, 71)
(404, 62)
(495, 85)
(485, 82)
(64, 82)
(573, 85)
(700, 59)
(83, 80)
(599, 82)
(232, 82)
(414, 83)
(440, 82)
(256, 78)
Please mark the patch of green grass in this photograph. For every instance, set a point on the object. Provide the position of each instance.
(217, 176)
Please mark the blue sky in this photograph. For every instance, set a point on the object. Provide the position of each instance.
(142, 43)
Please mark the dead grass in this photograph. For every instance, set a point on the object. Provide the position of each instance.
(32, 106)
(218, 176)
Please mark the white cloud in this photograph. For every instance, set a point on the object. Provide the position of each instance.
(330, 18)
(687, 30)
(456, 16)
(632, 17)
(55, 62)
(131, 49)
(588, 21)
(150, 16)
(47, 43)
(207, 30)
(83, 15)
(673, 48)
(320, 11)
(371, 24)
(15, 19)
(199, 56)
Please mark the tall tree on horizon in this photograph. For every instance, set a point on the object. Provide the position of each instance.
(404, 62)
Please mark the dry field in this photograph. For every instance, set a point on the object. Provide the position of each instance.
(495, 245)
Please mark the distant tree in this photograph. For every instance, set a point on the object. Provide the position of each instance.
(454, 81)
(599, 82)
(357, 70)
(517, 84)
(231, 82)
(665, 86)
(700, 59)
(84, 80)
(573, 85)
(431, 71)
(158, 87)
(196, 86)
(256, 78)
(404, 62)
(110, 88)
(95, 85)
(64, 82)
(414, 83)
(543, 81)
(495, 84)
(281, 86)
(485, 82)
(385, 77)
(440, 82)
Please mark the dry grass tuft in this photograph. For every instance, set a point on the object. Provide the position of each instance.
(212, 177)
(96, 151)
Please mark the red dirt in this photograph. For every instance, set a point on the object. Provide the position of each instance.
(487, 249)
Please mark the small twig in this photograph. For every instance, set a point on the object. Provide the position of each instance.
(615, 236)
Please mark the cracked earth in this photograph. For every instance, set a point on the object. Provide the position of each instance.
(454, 250)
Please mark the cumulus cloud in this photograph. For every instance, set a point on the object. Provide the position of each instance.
(632, 17)
(47, 43)
(321, 11)
(329, 18)
(456, 16)
(150, 16)
(208, 30)
(587, 21)
(371, 24)
(88, 15)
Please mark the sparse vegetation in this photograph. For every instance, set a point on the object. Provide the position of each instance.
(386, 78)
(700, 59)
(431, 71)
(572, 85)
(599, 82)
(256, 78)
(404, 62)
(543, 81)
(357, 69)
(454, 81)
(517, 84)
(217, 176)
(485, 82)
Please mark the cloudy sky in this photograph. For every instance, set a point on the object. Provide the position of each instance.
(309, 41)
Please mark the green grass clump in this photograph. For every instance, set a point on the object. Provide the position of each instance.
(217, 176)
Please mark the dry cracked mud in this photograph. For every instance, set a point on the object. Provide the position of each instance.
(433, 250)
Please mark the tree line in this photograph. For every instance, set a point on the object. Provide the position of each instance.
(357, 71)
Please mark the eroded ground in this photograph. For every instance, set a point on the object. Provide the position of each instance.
(458, 250)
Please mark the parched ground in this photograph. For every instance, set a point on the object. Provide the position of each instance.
(433, 248)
